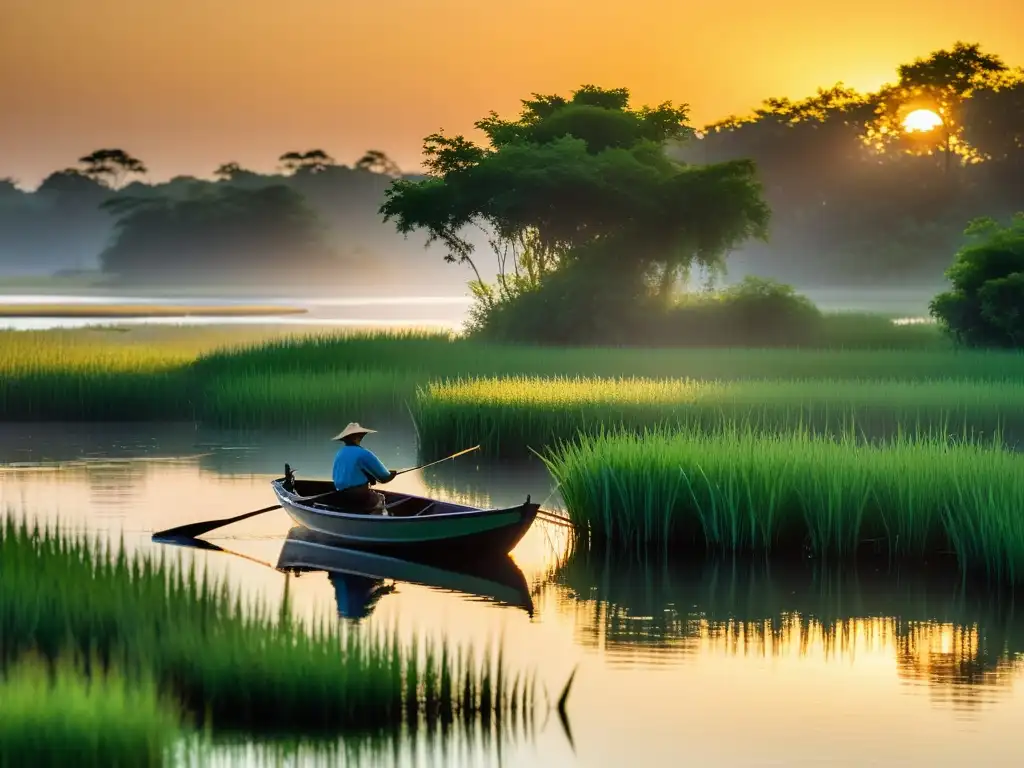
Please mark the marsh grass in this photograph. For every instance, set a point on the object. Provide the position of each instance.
(57, 715)
(228, 663)
(267, 377)
(735, 490)
(510, 416)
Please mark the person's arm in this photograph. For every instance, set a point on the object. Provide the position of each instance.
(375, 468)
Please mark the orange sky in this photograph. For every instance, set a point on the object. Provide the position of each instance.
(188, 84)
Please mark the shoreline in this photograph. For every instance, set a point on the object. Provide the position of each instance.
(121, 311)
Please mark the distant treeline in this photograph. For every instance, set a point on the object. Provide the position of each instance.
(315, 219)
(854, 197)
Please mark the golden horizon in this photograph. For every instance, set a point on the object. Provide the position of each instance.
(187, 86)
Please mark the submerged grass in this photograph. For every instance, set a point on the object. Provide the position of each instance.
(227, 663)
(509, 416)
(56, 716)
(739, 491)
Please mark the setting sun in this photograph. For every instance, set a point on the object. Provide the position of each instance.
(922, 120)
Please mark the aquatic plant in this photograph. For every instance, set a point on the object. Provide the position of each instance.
(51, 716)
(509, 416)
(227, 662)
(265, 376)
(787, 494)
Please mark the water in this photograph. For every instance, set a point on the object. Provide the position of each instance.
(442, 312)
(715, 663)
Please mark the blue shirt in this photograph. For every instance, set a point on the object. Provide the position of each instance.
(353, 463)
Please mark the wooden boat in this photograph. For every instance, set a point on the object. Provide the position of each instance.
(413, 525)
(358, 575)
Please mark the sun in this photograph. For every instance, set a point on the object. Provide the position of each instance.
(921, 120)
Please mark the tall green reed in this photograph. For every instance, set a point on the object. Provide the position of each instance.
(233, 663)
(738, 490)
(510, 416)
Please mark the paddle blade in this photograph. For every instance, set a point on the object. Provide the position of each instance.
(192, 530)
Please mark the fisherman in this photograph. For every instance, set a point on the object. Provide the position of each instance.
(356, 469)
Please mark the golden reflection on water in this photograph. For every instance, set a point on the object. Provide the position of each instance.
(809, 672)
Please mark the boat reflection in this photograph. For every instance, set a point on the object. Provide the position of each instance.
(359, 577)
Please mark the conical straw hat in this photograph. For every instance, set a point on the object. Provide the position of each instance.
(352, 429)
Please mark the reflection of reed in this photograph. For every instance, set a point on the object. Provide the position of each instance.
(422, 742)
(964, 646)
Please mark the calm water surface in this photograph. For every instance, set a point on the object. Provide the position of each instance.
(724, 664)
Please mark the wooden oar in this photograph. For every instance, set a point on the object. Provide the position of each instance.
(193, 530)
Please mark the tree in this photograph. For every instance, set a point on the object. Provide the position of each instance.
(568, 175)
(313, 161)
(217, 233)
(111, 164)
(985, 306)
(376, 161)
(227, 171)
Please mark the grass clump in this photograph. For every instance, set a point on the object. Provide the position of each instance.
(509, 416)
(59, 716)
(227, 663)
(262, 377)
(736, 490)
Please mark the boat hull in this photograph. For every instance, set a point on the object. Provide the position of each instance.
(497, 579)
(454, 530)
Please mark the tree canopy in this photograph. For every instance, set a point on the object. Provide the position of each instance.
(985, 305)
(573, 173)
(220, 233)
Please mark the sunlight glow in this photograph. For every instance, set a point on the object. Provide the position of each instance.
(921, 120)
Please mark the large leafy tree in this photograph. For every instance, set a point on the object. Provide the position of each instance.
(985, 304)
(571, 173)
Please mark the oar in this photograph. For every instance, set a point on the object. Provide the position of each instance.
(193, 530)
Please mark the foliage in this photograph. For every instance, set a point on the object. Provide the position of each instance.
(313, 161)
(858, 200)
(219, 233)
(512, 416)
(985, 306)
(228, 663)
(112, 165)
(578, 179)
(47, 715)
(738, 490)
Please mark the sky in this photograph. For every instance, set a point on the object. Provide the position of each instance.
(186, 85)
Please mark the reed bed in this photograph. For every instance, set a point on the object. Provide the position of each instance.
(509, 416)
(254, 400)
(61, 716)
(434, 355)
(792, 494)
(264, 376)
(231, 664)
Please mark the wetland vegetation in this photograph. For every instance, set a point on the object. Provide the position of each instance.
(677, 424)
(226, 661)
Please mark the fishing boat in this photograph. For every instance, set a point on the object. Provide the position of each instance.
(358, 575)
(409, 524)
